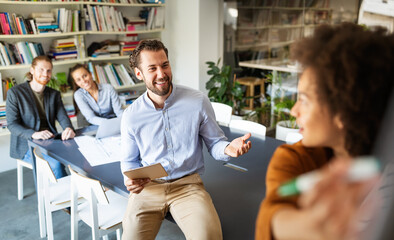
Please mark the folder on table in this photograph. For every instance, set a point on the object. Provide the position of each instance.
(151, 171)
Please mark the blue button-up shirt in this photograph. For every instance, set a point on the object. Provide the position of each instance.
(172, 135)
(107, 106)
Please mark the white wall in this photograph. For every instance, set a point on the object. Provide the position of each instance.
(192, 37)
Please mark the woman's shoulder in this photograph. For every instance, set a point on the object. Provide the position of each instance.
(301, 156)
(78, 92)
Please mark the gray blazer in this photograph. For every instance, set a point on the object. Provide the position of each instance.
(23, 119)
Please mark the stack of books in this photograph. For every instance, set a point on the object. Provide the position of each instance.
(45, 22)
(128, 44)
(70, 110)
(136, 24)
(62, 49)
(127, 98)
(3, 120)
(111, 50)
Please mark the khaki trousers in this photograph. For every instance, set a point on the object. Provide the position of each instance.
(189, 203)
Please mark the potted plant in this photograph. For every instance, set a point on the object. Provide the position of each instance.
(59, 82)
(223, 89)
(282, 104)
(285, 121)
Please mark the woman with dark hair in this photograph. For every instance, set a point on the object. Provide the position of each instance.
(343, 94)
(96, 101)
(32, 109)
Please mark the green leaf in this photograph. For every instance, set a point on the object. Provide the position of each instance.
(210, 84)
(226, 70)
(215, 70)
(222, 90)
(212, 92)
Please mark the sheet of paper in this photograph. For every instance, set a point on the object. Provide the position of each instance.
(98, 152)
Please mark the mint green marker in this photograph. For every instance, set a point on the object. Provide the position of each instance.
(362, 168)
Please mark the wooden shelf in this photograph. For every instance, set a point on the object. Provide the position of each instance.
(287, 26)
(17, 37)
(55, 63)
(129, 86)
(108, 58)
(118, 88)
(252, 45)
(82, 3)
(123, 33)
(252, 27)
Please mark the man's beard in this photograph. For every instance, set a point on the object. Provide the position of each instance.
(157, 91)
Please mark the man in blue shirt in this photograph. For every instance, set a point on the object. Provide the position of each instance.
(167, 125)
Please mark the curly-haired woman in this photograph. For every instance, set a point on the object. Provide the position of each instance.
(343, 93)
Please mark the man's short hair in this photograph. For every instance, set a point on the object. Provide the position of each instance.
(149, 45)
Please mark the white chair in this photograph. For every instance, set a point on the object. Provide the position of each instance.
(19, 173)
(53, 194)
(223, 113)
(103, 211)
(293, 137)
(246, 126)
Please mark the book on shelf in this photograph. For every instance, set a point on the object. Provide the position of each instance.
(5, 58)
(159, 18)
(25, 53)
(10, 23)
(154, 17)
(114, 74)
(6, 84)
(2, 94)
(19, 52)
(103, 18)
(136, 24)
(5, 27)
(92, 19)
(92, 71)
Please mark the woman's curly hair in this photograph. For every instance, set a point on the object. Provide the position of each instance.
(354, 73)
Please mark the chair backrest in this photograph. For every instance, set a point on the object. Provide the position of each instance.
(248, 126)
(293, 137)
(43, 168)
(85, 186)
(223, 113)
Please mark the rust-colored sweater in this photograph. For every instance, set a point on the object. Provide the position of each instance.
(287, 162)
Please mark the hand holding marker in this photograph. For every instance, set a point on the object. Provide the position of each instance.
(362, 168)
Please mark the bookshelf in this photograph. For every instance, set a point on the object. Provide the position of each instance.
(268, 30)
(85, 35)
(264, 30)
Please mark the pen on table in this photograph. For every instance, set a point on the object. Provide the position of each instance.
(362, 168)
